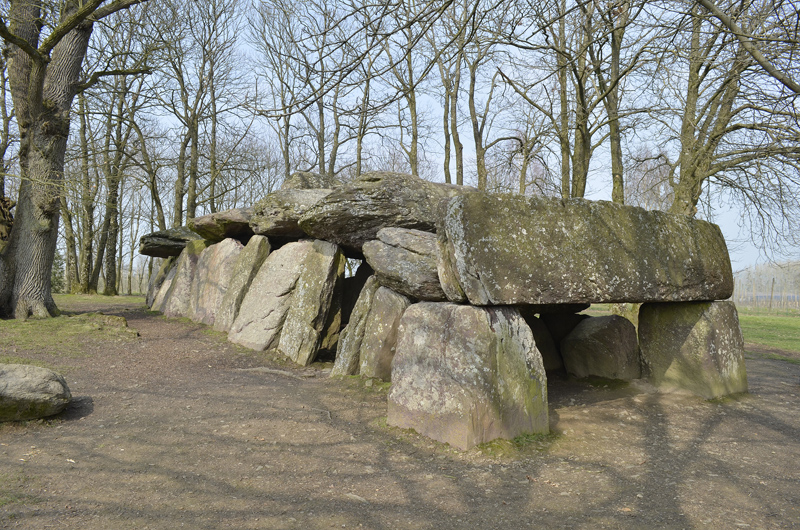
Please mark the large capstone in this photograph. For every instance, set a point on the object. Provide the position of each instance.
(217, 226)
(603, 347)
(30, 392)
(306, 180)
(277, 214)
(213, 275)
(697, 347)
(166, 243)
(467, 375)
(247, 264)
(355, 212)
(405, 261)
(537, 250)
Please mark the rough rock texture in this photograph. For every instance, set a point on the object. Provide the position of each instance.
(551, 356)
(177, 299)
(351, 290)
(355, 212)
(380, 333)
(247, 264)
(166, 243)
(307, 324)
(306, 180)
(161, 294)
(405, 261)
(158, 279)
(217, 226)
(278, 213)
(30, 392)
(348, 360)
(212, 276)
(467, 375)
(603, 347)
(696, 347)
(536, 250)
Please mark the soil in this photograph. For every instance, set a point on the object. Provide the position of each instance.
(178, 428)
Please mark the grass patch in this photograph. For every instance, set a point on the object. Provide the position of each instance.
(524, 443)
(10, 484)
(774, 331)
(772, 356)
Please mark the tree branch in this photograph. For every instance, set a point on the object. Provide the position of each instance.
(96, 76)
(21, 43)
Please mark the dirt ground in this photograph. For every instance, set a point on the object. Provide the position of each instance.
(178, 428)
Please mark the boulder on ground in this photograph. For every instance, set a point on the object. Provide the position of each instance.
(355, 212)
(247, 264)
(603, 347)
(213, 274)
(277, 214)
(157, 280)
(348, 354)
(537, 250)
(380, 333)
(467, 375)
(30, 392)
(166, 243)
(307, 180)
(217, 226)
(405, 261)
(177, 299)
(697, 347)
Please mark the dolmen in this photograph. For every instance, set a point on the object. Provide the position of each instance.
(462, 300)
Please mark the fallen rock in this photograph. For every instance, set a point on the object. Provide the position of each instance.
(380, 333)
(348, 354)
(166, 243)
(306, 180)
(537, 250)
(696, 347)
(467, 375)
(177, 299)
(278, 213)
(405, 261)
(355, 212)
(213, 274)
(217, 226)
(603, 347)
(30, 392)
(247, 265)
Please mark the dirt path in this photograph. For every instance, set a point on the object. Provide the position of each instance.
(178, 428)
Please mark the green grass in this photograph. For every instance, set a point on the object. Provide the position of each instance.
(773, 331)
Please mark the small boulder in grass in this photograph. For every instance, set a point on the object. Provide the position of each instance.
(30, 392)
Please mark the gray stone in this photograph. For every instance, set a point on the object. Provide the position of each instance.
(306, 180)
(307, 328)
(177, 300)
(348, 360)
(405, 261)
(551, 356)
(212, 276)
(467, 375)
(161, 294)
(537, 250)
(380, 333)
(30, 392)
(166, 243)
(603, 347)
(355, 212)
(157, 280)
(278, 213)
(351, 290)
(696, 347)
(247, 265)
(217, 226)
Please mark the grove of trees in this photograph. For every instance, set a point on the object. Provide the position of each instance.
(121, 117)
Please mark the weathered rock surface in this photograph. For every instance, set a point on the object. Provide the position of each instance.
(247, 265)
(536, 250)
(278, 213)
(603, 347)
(212, 276)
(158, 279)
(166, 243)
(30, 392)
(162, 292)
(348, 354)
(351, 290)
(467, 375)
(697, 347)
(405, 261)
(178, 299)
(306, 180)
(380, 333)
(355, 212)
(307, 324)
(217, 226)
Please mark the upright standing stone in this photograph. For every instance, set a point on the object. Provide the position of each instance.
(467, 375)
(211, 280)
(693, 346)
(348, 360)
(536, 250)
(177, 301)
(244, 270)
(603, 347)
(380, 333)
(158, 279)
